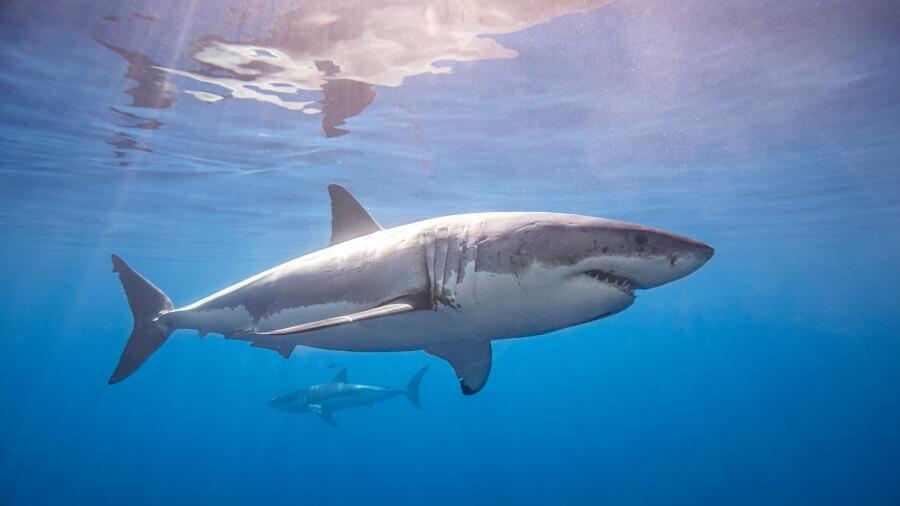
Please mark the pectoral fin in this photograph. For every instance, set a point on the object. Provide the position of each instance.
(323, 413)
(470, 359)
(284, 349)
(377, 312)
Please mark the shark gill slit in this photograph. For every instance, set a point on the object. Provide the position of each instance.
(448, 290)
(429, 265)
(440, 260)
(463, 245)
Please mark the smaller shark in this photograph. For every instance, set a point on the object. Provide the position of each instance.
(327, 398)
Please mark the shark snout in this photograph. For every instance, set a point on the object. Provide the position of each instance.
(674, 257)
(690, 247)
(704, 251)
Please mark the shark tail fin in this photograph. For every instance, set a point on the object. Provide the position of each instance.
(412, 388)
(147, 302)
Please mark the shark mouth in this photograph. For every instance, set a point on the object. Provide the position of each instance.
(620, 282)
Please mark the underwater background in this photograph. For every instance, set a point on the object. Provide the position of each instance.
(196, 139)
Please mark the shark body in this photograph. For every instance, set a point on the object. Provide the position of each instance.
(340, 394)
(447, 285)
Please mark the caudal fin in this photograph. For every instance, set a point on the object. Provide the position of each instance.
(147, 302)
(412, 388)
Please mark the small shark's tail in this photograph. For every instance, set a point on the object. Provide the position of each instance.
(412, 388)
(147, 302)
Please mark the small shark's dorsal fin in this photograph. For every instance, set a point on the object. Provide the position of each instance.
(349, 219)
(470, 359)
(341, 377)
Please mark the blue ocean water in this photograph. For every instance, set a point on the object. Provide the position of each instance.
(196, 139)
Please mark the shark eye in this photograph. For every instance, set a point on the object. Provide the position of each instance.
(641, 239)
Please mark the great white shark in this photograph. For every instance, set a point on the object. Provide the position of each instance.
(340, 394)
(448, 286)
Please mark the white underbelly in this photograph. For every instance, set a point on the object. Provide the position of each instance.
(490, 306)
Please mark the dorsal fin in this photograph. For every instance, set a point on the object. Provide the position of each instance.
(341, 377)
(349, 219)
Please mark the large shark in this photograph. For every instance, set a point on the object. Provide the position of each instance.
(447, 285)
(327, 398)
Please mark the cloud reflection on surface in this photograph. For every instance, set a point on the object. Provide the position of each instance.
(343, 49)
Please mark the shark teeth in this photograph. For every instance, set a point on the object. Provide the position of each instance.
(622, 283)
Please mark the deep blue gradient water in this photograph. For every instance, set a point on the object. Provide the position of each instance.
(196, 139)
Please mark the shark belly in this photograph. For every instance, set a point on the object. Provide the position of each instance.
(488, 306)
